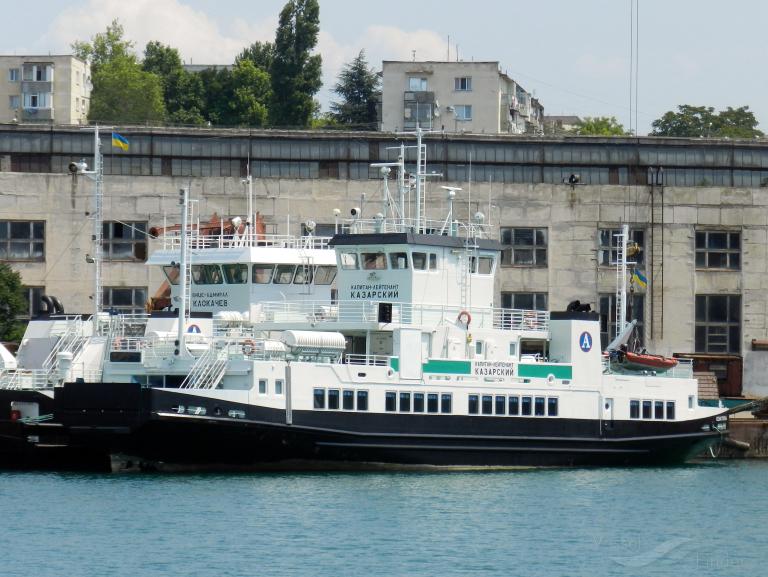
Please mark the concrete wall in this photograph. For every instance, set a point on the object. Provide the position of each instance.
(572, 216)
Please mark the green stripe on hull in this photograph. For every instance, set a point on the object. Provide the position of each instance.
(540, 370)
(442, 366)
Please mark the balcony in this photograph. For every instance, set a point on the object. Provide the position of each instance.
(36, 86)
(37, 114)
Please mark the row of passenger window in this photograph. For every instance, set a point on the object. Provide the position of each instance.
(340, 399)
(513, 405)
(652, 409)
(415, 402)
(214, 274)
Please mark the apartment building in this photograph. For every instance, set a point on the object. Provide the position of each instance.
(470, 97)
(44, 89)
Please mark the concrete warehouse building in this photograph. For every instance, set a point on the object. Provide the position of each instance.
(697, 208)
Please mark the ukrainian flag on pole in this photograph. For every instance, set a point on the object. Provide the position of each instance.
(639, 279)
(119, 141)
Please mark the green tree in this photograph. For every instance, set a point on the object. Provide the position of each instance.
(104, 47)
(600, 126)
(358, 87)
(703, 121)
(262, 54)
(123, 92)
(295, 71)
(183, 93)
(251, 94)
(13, 303)
(737, 123)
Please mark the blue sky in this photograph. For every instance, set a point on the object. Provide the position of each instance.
(573, 54)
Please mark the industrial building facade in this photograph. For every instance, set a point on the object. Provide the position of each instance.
(697, 209)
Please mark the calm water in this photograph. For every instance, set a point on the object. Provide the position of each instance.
(693, 520)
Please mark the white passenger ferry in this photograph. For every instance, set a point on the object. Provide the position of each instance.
(410, 364)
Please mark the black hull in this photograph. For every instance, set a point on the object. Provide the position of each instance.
(140, 423)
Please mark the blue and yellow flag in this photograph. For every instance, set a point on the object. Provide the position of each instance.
(639, 279)
(119, 141)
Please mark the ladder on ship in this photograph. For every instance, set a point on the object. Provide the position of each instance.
(209, 368)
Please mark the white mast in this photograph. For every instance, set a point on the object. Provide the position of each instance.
(621, 281)
(183, 269)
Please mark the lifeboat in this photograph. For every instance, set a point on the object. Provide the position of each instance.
(645, 361)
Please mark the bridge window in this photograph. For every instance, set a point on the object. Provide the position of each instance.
(432, 261)
(262, 273)
(207, 274)
(325, 274)
(349, 261)
(398, 260)
(235, 273)
(284, 273)
(374, 261)
(419, 260)
(303, 275)
(172, 274)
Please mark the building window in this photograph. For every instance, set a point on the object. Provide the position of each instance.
(552, 407)
(13, 102)
(636, 311)
(417, 84)
(718, 323)
(405, 402)
(333, 399)
(472, 406)
(463, 83)
(125, 241)
(608, 253)
(671, 410)
(348, 400)
(319, 398)
(34, 293)
(418, 402)
(525, 301)
(463, 111)
(13, 75)
(22, 240)
(646, 409)
(718, 249)
(524, 246)
(126, 300)
(390, 399)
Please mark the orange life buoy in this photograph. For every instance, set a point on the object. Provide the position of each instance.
(464, 318)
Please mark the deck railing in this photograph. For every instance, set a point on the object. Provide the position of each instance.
(172, 241)
(314, 312)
